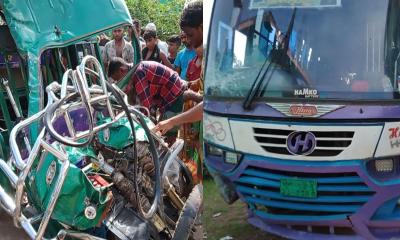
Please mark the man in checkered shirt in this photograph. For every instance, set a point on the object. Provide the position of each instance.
(156, 86)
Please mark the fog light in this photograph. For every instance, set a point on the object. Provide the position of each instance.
(231, 157)
(384, 169)
(384, 165)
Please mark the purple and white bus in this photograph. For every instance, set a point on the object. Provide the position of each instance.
(302, 114)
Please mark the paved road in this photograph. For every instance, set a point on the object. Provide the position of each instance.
(7, 229)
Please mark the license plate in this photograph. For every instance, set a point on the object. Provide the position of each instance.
(294, 187)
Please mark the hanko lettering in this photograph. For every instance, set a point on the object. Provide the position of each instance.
(306, 92)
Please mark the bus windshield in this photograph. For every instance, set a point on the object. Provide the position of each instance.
(320, 49)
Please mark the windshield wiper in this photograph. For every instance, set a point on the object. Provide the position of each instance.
(255, 87)
(258, 81)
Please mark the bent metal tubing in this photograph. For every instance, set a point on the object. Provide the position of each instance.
(19, 162)
(82, 69)
(54, 196)
(13, 207)
(8, 204)
(21, 179)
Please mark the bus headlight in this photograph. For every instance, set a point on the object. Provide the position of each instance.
(226, 156)
(214, 151)
(383, 169)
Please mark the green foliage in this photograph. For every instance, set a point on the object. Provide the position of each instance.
(165, 15)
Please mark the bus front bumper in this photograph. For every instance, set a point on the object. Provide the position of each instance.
(349, 203)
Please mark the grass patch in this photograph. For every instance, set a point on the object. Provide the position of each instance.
(233, 219)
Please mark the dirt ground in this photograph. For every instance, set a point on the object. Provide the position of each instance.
(7, 229)
(223, 221)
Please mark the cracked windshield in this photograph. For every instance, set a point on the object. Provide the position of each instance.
(319, 49)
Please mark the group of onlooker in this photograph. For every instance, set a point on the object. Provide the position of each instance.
(175, 53)
(168, 80)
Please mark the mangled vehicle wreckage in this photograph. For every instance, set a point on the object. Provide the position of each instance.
(76, 160)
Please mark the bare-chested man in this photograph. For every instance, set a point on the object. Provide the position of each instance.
(118, 47)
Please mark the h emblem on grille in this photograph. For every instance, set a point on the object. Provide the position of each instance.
(301, 143)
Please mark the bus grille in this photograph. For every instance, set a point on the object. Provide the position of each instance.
(338, 195)
(328, 143)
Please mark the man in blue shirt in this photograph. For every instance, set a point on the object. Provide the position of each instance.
(184, 57)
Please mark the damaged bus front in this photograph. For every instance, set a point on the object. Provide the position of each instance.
(302, 115)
